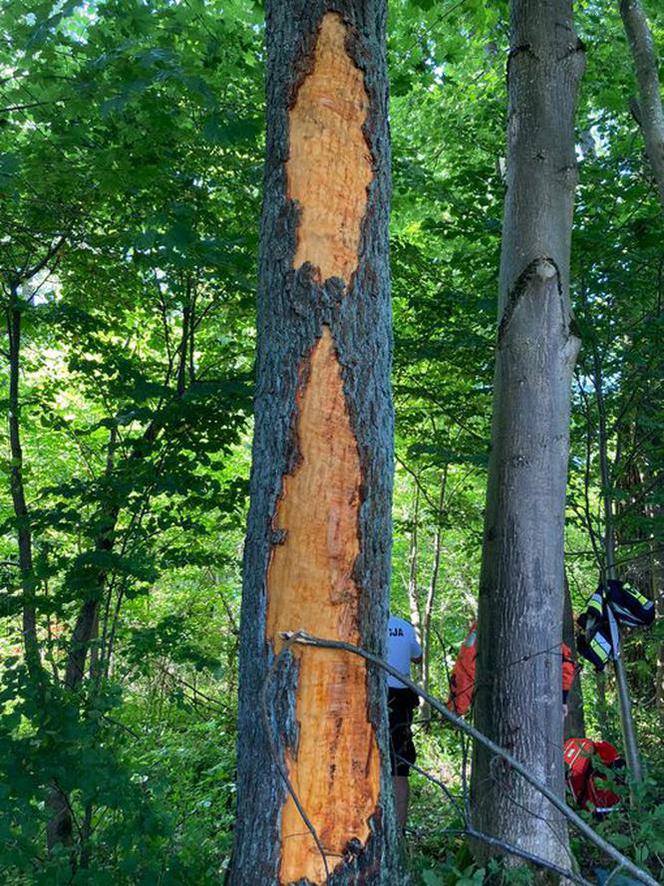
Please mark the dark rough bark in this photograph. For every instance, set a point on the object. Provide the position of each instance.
(575, 724)
(292, 311)
(60, 825)
(59, 829)
(87, 619)
(517, 701)
(650, 113)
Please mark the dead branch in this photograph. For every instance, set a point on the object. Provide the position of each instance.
(305, 639)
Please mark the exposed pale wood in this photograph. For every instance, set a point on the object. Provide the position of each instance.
(336, 768)
(297, 300)
(329, 167)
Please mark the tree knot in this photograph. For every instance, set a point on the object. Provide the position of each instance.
(542, 269)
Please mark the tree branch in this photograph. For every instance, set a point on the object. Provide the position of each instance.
(651, 114)
(305, 639)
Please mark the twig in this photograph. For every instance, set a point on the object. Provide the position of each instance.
(418, 482)
(511, 849)
(211, 703)
(432, 778)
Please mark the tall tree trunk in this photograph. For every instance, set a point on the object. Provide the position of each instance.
(431, 592)
(24, 533)
(602, 707)
(59, 829)
(624, 699)
(413, 594)
(517, 700)
(319, 528)
(575, 724)
(657, 573)
(650, 114)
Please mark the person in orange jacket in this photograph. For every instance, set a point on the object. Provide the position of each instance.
(462, 678)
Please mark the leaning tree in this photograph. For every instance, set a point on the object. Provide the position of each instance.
(313, 794)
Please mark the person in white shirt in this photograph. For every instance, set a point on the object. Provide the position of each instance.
(402, 648)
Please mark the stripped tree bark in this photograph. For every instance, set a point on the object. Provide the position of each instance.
(649, 113)
(517, 700)
(319, 529)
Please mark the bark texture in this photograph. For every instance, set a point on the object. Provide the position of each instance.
(518, 700)
(650, 113)
(319, 528)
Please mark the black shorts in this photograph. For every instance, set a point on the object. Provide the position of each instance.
(401, 704)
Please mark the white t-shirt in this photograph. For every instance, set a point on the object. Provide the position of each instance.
(402, 646)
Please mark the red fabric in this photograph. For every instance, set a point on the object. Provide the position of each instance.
(606, 752)
(588, 787)
(462, 679)
(569, 668)
(577, 755)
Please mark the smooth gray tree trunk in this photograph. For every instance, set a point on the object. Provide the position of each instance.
(649, 113)
(300, 308)
(518, 694)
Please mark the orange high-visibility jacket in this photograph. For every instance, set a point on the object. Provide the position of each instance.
(462, 679)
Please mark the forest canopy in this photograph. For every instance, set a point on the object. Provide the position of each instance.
(132, 147)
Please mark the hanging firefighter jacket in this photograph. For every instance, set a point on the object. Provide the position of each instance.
(588, 785)
(462, 678)
(629, 606)
(612, 603)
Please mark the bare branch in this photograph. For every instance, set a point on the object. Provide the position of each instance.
(302, 637)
